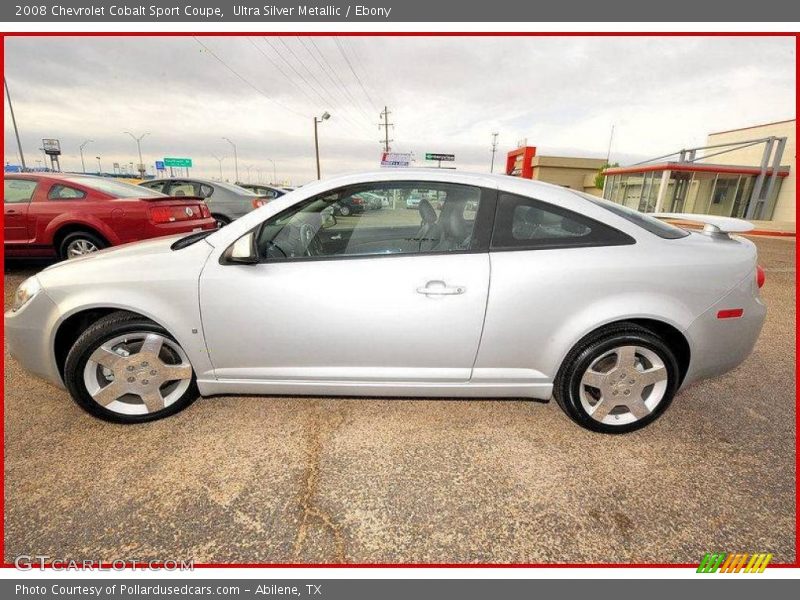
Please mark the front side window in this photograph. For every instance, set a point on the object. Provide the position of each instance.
(65, 192)
(18, 191)
(378, 219)
(525, 223)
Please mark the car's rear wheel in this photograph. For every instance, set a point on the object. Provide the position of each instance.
(617, 380)
(79, 244)
(221, 220)
(344, 210)
(127, 369)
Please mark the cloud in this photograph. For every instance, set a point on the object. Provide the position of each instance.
(446, 95)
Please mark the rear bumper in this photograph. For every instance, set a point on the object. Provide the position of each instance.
(719, 345)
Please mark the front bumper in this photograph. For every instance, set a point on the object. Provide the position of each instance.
(29, 335)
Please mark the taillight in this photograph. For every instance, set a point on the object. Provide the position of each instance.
(259, 202)
(357, 200)
(161, 215)
(761, 276)
(204, 212)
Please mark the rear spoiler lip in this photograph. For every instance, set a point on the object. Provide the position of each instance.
(712, 225)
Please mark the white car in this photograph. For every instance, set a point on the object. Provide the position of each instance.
(513, 289)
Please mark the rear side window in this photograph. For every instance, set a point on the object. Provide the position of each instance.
(525, 223)
(651, 224)
(65, 192)
(17, 191)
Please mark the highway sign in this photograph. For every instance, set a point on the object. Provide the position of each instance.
(160, 165)
(439, 157)
(178, 162)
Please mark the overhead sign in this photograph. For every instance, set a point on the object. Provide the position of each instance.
(13, 168)
(440, 157)
(51, 146)
(160, 165)
(395, 159)
(178, 162)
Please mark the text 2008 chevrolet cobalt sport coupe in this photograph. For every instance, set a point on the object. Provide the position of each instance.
(493, 287)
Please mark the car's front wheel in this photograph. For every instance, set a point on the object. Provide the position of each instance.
(617, 380)
(127, 369)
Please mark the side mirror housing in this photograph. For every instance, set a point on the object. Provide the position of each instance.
(243, 251)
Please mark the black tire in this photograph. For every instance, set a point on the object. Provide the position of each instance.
(221, 220)
(77, 236)
(566, 388)
(104, 329)
(345, 211)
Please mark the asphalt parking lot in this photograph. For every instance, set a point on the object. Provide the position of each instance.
(288, 480)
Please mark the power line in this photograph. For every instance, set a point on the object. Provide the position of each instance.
(331, 97)
(369, 75)
(245, 80)
(358, 79)
(330, 72)
(277, 66)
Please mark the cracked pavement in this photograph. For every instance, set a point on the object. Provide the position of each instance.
(324, 480)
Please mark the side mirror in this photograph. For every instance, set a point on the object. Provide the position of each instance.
(243, 251)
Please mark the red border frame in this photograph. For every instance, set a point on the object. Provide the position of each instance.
(3, 35)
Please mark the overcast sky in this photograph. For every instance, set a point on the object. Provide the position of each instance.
(446, 95)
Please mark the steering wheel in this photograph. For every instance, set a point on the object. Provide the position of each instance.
(308, 238)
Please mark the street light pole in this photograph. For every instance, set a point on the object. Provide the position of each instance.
(219, 160)
(235, 160)
(99, 166)
(325, 116)
(14, 121)
(138, 140)
(275, 172)
(82, 146)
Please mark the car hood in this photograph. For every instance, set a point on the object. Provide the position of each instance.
(149, 247)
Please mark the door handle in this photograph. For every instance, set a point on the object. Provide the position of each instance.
(440, 288)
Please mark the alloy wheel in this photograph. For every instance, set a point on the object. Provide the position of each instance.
(623, 385)
(137, 373)
(80, 247)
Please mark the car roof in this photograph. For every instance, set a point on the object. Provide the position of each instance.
(233, 187)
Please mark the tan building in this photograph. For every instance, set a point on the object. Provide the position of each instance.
(785, 205)
(746, 173)
(568, 171)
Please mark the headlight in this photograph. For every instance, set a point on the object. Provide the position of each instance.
(25, 292)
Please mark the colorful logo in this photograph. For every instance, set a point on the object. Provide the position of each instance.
(721, 562)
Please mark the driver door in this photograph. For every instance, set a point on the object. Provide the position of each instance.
(353, 299)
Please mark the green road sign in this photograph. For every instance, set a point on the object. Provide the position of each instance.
(178, 162)
(437, 156)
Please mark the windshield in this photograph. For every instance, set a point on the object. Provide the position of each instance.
(651, 224)
(112, 187)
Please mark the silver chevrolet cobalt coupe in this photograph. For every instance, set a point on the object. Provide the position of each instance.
(492, 287)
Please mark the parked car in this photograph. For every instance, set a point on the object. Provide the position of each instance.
(351, 205)
(226, 201)
(69, 215)
(265, 191)
(413, 200)
(374, 201)
(542, 291)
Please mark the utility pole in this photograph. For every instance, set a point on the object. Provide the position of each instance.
(385, 114)
(235, 160)
(138, 140)
(14, 121)
(82, 146)
(494, 150)
(610, 139)
(274, 172)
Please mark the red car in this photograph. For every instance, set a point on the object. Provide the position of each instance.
(68, 215)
